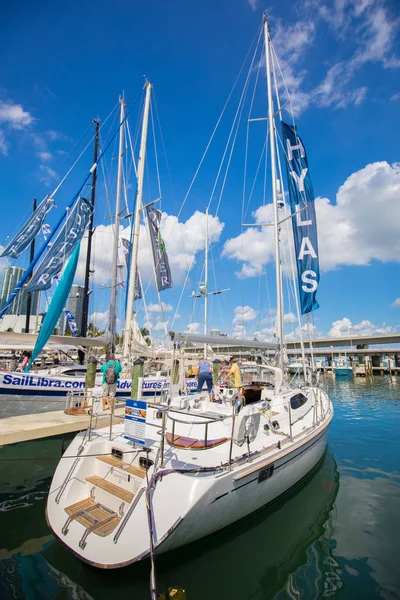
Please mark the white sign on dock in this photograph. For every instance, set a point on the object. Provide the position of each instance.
(135, 421)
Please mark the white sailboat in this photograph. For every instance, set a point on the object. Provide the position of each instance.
(196, 465)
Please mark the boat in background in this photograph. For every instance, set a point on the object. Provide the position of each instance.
(342, 367)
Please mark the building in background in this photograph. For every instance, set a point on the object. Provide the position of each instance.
(75, 306)
(15, 316)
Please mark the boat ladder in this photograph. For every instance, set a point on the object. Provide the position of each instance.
(94, 516)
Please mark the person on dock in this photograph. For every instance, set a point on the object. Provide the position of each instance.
(204, 375)
(110, 370)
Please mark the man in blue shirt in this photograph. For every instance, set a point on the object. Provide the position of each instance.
(111, 370)
(204, 375)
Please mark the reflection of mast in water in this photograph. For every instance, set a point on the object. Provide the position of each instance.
(319, 577)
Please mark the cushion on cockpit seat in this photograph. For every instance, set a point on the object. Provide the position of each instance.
(170, 440)
(201, 444)
(184, 442)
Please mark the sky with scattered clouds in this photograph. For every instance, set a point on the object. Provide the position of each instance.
(62, 66)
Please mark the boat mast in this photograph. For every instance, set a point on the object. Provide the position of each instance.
(133, 273)
(29, 295)
(86, 293)
(205, 290)
(114, 268)
(278, 269)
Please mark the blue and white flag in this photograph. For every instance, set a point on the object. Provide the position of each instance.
(304, 221)
(66, 240)
(163, 272)
(31, 228)
(126, 249)
(72, 323)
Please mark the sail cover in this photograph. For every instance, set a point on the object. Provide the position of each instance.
(56, 305)
(31, 228)
(67, 238)
(304, 222)
(163, 271)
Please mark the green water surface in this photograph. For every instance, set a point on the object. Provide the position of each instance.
(336, 536)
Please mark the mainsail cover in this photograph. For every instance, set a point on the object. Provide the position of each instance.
(62, 248)
(163, 271)
(57, 304)
(31, 228)
(304, 220)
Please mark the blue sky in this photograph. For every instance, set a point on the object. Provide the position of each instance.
(63, 64)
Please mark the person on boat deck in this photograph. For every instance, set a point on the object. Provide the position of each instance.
(111, 370)
(233, 375)
(204, 375)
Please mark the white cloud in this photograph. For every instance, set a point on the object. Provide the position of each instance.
(14, 115)
(243, 314)
(45, 156)
(99, 319)
(345, 328)
(290, 318)
(193, 327)
(396, 302)
(157, 307)
(47, 174)
(253, 4)
(183, 241)
(3, 144)
(362, 226)
(159, 326)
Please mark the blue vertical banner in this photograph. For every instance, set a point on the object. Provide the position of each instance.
(31, 228)
(160, 257)
(72, 323)
(63, 246)
(304, 222)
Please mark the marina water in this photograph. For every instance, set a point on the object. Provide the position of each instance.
(337, 535)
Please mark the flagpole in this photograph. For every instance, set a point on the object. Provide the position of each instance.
(132, 283)
(114, 267)
(278, 269)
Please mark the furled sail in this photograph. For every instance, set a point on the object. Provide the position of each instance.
(57, 304)
(304, 220)
(160, 257)
(31, 228)
(67, 238)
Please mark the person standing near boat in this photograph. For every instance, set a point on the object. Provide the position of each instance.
(233, 374)
(204, 375)
(110, 370)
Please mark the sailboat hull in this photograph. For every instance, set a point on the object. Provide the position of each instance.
(186, 507)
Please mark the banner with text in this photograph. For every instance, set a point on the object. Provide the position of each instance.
(304, 223)
(163, 272)
(135, 421)
(66, 240)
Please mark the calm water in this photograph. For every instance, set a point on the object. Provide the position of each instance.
(336, 536)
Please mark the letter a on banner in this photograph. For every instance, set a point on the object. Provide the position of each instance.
(304, 223)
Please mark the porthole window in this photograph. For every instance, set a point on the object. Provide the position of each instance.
(297, 401)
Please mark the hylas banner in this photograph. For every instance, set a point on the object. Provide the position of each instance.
(304, 222)
(163, 272)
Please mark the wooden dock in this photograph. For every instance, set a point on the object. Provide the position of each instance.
(41, 425)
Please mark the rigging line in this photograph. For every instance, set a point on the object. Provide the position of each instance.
(155, 151)
(164, 148)
(236, 123)
(80, 155)
(217, 124)
(128, 129)
(247, 145)
(256, 175)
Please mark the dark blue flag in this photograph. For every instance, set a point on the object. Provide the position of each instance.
(31, 228)
(304, 221)
(163, 272)
(63, 246)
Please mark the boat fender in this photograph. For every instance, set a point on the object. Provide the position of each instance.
(246, 425)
